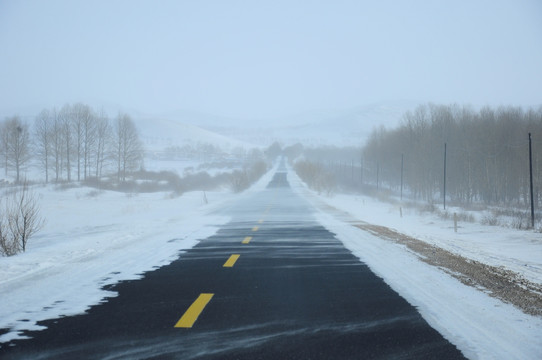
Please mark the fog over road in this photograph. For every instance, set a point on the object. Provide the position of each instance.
(271, 284)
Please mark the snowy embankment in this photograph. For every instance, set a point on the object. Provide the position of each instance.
(481, 326)
(516, 250)
(92, 240)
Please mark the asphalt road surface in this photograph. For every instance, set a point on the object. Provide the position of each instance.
(271, 284)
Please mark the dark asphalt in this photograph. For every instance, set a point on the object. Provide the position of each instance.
(294, 293)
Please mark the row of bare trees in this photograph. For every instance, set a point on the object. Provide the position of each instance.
(73, 143)
(486, 159)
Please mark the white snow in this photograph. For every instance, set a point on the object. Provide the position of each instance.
(481, 326)
(519, 251)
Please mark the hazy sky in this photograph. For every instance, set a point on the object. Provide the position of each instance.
(268, 58)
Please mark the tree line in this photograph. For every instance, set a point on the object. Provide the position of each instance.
(73, 143)
(487, 154)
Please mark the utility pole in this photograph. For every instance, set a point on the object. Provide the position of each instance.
(444, 176)
(531, 180)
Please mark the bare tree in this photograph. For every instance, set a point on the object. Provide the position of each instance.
(78, 113)
(42, 135)
(8, 245)
(83, 122)
(89, 138)
(65, 117)
(18, 144)
(19, 220)
(128, 146)
(103, 139)
(4, 145)
(57, 144)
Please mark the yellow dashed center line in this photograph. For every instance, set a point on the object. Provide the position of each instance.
(231, 261)
(247, 240)
(193, 312)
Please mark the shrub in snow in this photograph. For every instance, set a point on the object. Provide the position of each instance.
(242, 179)
(19, 220)
(490, 219)
(316, 177)
(464, 216)
(239, 181)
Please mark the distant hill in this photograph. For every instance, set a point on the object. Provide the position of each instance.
(329, 127)
(159, 133)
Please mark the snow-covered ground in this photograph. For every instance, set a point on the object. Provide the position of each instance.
(481, 326)
(516, 250)
(191, 166)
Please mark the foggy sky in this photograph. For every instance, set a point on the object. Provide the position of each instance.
(262, 59)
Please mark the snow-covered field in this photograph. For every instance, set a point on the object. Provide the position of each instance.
(189, 166)
(93, 239)
(481, 326)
